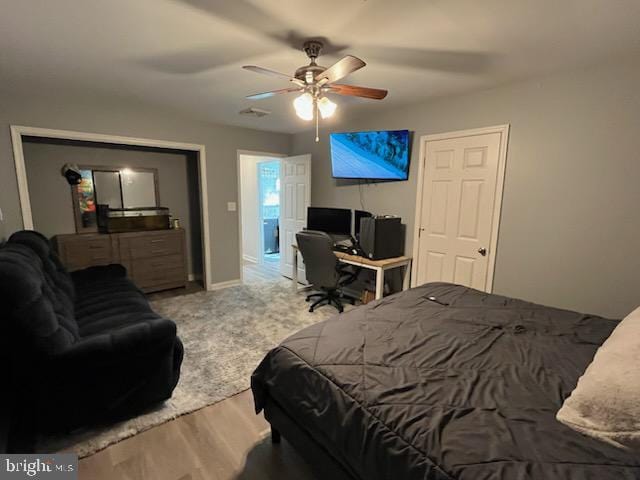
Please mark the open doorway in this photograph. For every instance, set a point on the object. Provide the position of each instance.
(259, 182)
(269, 213)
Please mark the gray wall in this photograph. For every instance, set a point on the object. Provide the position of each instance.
(570, 226)
(50, 196)
(110, 115)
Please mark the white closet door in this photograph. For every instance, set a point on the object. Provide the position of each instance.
(458, 210)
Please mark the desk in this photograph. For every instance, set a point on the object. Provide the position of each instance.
(378, 266)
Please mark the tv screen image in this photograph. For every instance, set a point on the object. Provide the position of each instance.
(378, 155)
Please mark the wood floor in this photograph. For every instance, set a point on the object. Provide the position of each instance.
(267, 271)
(225, 441)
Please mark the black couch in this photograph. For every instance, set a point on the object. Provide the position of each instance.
(78, 349)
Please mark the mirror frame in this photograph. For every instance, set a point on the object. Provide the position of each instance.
(75, 196)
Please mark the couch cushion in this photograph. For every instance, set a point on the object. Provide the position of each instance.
(32, 304)
(54, 269)
(58, 281)
(109, 303)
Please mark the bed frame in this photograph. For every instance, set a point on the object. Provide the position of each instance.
(323, 463)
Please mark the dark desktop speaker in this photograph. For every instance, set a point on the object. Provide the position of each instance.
(381, 237)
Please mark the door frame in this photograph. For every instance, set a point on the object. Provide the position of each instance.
(239, 154)
(19, 131)
(503, 130)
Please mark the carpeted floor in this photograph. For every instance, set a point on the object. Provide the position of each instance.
(225, 334)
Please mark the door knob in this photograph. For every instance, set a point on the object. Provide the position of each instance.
(482, 251)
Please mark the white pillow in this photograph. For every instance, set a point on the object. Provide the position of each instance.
(606, 402)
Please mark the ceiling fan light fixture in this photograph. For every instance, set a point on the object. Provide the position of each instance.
(304, 106)
(327, 107)
(315, 81)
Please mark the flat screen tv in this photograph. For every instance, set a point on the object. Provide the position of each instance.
(377, 155)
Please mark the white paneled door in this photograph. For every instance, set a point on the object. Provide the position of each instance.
(458, 207)
(295, 197)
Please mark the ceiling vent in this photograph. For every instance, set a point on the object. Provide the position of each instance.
(254, 112)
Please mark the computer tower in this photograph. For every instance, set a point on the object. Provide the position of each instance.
(381, 237)
(358, 215)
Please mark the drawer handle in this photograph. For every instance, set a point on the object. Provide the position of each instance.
(157, 240)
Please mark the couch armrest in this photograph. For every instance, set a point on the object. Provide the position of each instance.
(100, 272)
(115, 346)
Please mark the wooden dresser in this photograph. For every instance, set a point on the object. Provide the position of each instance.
(155, 260)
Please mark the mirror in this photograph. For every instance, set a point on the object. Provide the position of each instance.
(113, 186)
(107, 185)
(138, 188)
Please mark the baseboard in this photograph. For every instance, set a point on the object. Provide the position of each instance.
(249, 258)
(227, 284)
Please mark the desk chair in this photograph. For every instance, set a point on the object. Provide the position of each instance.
(324, 271)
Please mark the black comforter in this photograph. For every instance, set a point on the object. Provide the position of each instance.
(444, 382)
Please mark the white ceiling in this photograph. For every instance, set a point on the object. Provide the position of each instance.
(187, 54)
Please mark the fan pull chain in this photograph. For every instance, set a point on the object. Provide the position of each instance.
(315, 103)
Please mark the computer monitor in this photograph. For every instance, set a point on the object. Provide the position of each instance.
(336, 221)
(359, 215)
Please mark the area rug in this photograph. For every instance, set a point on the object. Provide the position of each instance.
(225, 335)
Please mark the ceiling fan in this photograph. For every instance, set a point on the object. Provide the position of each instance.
(315, 81)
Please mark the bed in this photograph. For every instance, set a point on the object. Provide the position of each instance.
(441, 382)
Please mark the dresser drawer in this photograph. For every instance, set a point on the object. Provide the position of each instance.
(155, 245)
(82, 252)
(155, 260)
(153, 271)
(98, 248)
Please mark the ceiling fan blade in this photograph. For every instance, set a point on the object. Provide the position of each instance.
(273, 73)
(273, 93)
(340, 69)
(355, 91)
